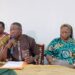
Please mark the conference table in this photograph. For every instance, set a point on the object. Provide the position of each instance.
(45, 70)
(30, 69)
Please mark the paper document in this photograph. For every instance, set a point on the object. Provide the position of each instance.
(13, 65)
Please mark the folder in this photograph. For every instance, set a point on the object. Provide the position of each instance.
(13, 65)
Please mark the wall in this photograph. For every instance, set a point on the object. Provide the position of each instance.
(40, 19)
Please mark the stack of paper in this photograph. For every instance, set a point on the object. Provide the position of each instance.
(13, 65)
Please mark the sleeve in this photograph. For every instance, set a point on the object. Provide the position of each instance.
(50, 49)
(33, 48)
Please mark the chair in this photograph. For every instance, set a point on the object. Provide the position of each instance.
(41, 54)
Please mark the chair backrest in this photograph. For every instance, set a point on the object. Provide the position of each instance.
(41, 54)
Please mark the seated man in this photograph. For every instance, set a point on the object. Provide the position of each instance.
(61, 51)
(20, 46)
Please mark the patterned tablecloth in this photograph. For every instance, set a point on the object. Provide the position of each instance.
(45, 70)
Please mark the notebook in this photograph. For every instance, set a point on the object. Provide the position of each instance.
(13, 65)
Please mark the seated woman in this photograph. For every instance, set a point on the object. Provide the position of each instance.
(3, 40)
(61, 50)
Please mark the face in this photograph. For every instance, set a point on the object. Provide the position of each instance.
(1, 29)
(15, 31)
(65, 33)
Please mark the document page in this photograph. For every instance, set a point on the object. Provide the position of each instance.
(13, 65)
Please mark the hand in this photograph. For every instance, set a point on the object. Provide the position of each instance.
(49, 59)
(29, 59)
(10, 43)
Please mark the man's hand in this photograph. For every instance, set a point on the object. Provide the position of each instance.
(10, 43)
(29, 59)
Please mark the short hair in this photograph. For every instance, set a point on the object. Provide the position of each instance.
(17, 24)
(69, 27)
(2, 23)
